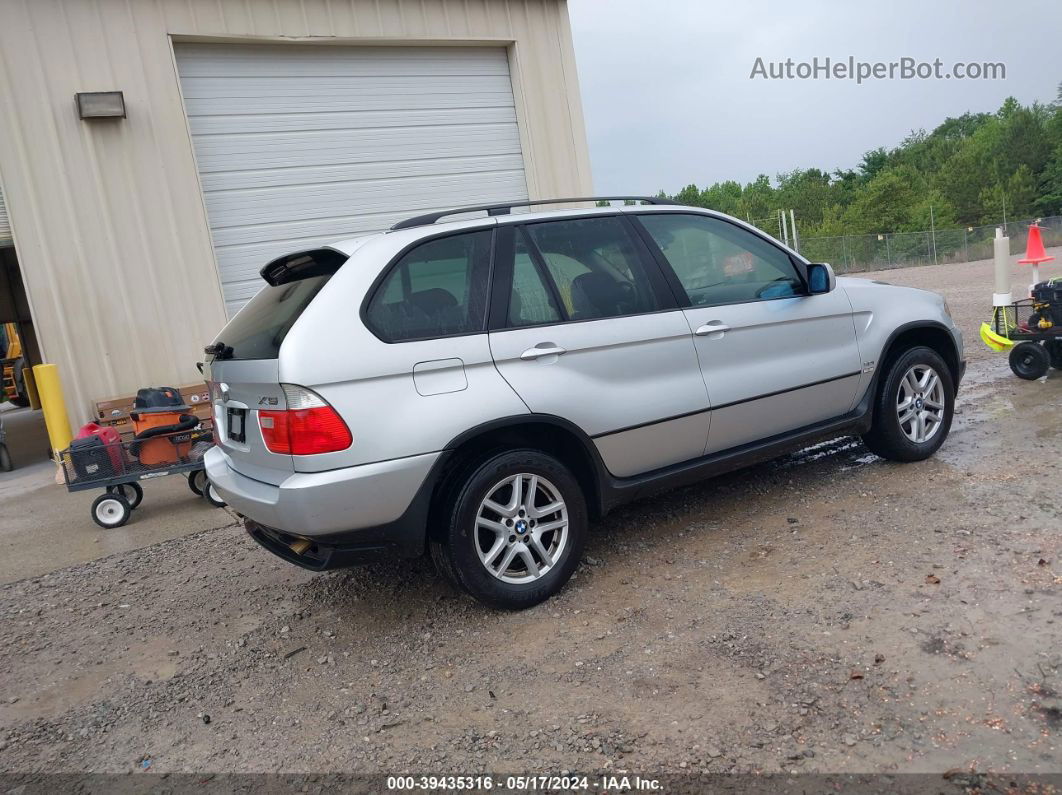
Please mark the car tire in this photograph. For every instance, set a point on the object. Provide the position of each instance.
(1029, 360)
(111, 510)
(437, 552)
(133, 493)
(196, 481)
(530, 562)
(914, 430)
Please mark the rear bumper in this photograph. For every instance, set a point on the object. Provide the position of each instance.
(349, 515)
(356, 548)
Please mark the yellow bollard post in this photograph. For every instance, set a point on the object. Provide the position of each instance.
(31, 388)
(50, 391)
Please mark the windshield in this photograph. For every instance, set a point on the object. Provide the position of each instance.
(258, 329)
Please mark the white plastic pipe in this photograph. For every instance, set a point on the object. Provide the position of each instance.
(1001, 255)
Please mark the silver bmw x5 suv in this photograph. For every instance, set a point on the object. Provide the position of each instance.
(484, 389)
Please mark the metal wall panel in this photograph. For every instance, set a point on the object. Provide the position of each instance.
(5, 224)
(112, 225)
(301, 144)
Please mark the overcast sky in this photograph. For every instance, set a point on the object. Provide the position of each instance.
(668, 99)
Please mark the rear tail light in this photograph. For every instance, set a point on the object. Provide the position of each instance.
(309, 426)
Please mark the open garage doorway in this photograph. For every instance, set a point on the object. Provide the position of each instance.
(23, 426)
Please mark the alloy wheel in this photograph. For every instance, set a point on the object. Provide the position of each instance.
(521, 528)
(920, 403)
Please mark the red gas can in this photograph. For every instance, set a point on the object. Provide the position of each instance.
(94, 445)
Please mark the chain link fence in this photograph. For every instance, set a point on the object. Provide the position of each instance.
(772, 225)
(855, 253)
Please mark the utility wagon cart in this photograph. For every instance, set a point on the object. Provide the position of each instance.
(118, 467)
(1032, 329)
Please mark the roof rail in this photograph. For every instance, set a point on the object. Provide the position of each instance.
(506, 207)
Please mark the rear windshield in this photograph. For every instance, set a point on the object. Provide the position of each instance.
(292, 283)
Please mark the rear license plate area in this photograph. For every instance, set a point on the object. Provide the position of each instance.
(237, 425)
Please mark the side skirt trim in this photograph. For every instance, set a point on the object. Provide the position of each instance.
(617, 491)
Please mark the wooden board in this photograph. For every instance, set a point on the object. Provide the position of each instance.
(113, 412)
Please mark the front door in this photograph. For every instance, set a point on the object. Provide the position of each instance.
(588, 331)
(775, 359)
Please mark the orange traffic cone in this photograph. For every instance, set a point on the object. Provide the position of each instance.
(1034, 250)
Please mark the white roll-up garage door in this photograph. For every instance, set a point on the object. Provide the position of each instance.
(302, 144)
(5, 224)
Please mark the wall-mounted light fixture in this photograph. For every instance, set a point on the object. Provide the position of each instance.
(100, 105)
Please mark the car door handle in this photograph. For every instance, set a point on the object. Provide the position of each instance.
(536, 352)
(711, 328)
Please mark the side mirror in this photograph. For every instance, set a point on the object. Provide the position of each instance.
(820, 278)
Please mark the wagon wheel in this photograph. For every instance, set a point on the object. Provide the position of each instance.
(1029, 360)
(111, 510)
(1054, 347)
(210, 494)
(133, 493)
(197, 481)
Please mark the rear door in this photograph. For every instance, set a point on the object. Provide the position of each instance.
(237, 389)
(584, 327)
(244, 375)
(774, 358)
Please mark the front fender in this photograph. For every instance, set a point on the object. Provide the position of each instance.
(883, 313)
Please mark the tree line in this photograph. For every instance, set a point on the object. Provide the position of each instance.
(970, 170)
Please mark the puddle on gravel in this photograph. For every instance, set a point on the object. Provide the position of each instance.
(990, 393)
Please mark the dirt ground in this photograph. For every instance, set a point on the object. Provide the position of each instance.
(824, 612)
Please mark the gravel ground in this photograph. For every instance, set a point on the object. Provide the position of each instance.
(825, 612)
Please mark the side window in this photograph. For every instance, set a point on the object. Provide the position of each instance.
(530, 303)
(437, 289)
(596, 267)
(720, 263)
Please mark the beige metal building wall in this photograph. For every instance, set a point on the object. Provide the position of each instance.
(108, 217)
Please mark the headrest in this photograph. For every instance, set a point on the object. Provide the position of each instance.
(597, 295)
